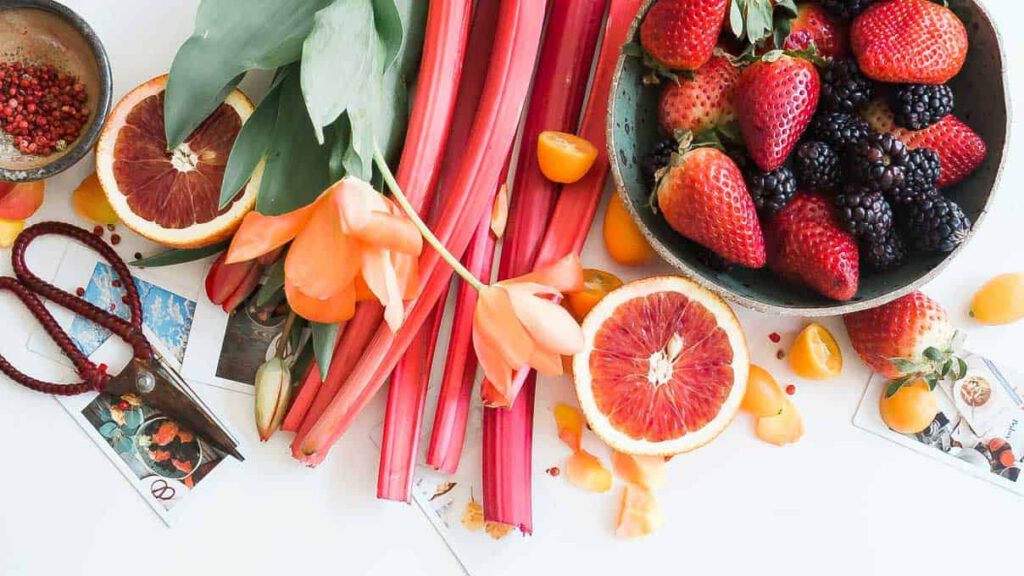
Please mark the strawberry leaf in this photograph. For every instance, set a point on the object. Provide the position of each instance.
(934, 354)
(894, 387)
(961, 368)
(905, 366)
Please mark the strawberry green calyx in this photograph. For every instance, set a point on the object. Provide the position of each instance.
(935, 365)
(755, 21)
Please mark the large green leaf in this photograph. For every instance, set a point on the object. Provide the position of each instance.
(297, 167)
(388, 21)
(324, 337)
(179, 256)
(341, 60)
(251, 145)
(393, 113)
(231, 37)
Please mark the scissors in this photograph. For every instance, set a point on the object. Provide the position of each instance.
(148, 375)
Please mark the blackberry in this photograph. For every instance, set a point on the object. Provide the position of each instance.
(771, 191)
(817, 166)
(844, 88)
(918, 106)
(839, 129)
(886, 254)
(935, 224)
(923, 167)
(864, 213)
(879, 162)
(848, 9)
(657, 159)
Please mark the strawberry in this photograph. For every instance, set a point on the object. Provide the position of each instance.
(775, 100)
(961, 150)
(704, 198)
(681, 34)
(909, 42)
(907, 339)
(808, 247)
(814, 25)
(701, 102)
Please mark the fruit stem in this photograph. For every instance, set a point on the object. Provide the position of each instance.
(399, 196)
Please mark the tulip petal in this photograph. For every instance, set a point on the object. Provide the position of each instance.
(491, 397)
(379, 275)
(407, 270)
(495, 319)
(551, 326)
(355, 200)
(497, 373)
(261, 234)
(565, 275)
(546, 363)
(320, 242)
(391, 232)
(338, 308)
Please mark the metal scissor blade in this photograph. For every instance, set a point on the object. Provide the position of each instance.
(161, 387)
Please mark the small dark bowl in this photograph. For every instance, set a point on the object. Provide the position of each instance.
(47, 32)
(982, 101)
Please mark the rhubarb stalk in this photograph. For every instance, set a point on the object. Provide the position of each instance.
(444, 49)
(520, 24)
(556, 103)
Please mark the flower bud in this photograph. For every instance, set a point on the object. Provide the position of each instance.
(228, 285)
(273, 395)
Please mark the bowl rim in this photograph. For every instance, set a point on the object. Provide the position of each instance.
(839, 308)
(106, 89)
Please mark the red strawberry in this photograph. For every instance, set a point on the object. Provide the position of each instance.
(702, 102)
(681, 34)
(775, 100)
(808, 247)
(909, 41)
(704, 198)
(814, 25)
(961, 150)
(903, 329)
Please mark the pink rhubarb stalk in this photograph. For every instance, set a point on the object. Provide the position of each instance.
(556, 103)
(444, 49)
(520, 23)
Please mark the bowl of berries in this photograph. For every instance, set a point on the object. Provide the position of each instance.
(55, 89)
(811, 158)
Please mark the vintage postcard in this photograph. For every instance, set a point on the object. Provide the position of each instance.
(227, 349)
(164, 461)
(979, 428)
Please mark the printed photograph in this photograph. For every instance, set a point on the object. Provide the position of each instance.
(168, 315)
(153, 446)
(250, 339)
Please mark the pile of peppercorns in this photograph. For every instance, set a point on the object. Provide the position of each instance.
(42, 109)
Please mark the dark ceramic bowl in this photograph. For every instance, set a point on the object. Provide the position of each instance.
(982, 102)
(47, 32)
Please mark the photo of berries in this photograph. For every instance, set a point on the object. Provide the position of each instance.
(848, 108)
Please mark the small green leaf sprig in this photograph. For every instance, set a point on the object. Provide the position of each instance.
(934, 366)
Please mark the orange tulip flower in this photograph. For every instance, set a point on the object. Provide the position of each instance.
(516, 324)
(351, 244)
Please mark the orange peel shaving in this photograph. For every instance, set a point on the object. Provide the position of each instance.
(569, 421)
(640, 515)
(785, 428)
(644, 471)
(586, 471)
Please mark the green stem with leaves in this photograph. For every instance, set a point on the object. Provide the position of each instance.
(399, 196)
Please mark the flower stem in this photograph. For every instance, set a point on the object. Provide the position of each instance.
(399, 196)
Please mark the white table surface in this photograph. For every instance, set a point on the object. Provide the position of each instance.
(840, 502)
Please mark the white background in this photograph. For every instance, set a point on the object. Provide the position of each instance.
(842, 501)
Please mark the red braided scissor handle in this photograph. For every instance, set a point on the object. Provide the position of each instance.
(28, 286)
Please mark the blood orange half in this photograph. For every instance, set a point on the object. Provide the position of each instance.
(664, 368)
(172, 196)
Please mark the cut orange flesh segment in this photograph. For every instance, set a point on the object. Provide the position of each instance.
(815, 355)
(564, 158)
(645, 471)
(664, 369)
(786, 428)
(90, 202)
(763, 397)
(569, 421)
(586, 471)
(9, 231)
(20, 201)
(596, 285)
(639, 514)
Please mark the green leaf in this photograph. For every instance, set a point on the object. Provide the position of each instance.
(788, 6)
(961, 368)
(393, 112)
(273, 284)
(932, 380)
(108, 429)
(132, 420)
(180, 256)
(296, 169)
(933, 354)
(905, 366)
(301, 363)
(230, 39)
(893, 388)
(251, 146)
(341, 60)
(324, 337)
(388, 23)
(946, 367)
(736, 18)
(782, 26)
(342, 132)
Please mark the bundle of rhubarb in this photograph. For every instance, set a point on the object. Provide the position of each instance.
(844, 101)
